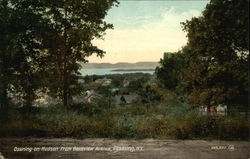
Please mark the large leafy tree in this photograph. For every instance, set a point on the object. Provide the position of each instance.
(44, 42)
(6, 52)
(218, 70)
(170, 71)
(73, 24)
(213, 67)
(20, 46)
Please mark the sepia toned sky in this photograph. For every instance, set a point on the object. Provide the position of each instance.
(144, 30)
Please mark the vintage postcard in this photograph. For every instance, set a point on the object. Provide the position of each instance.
(124, 79)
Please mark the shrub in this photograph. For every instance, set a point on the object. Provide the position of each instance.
(124, 127)
(233, 128)
(98, 120)
(99, 106)
(136, 109)
(154, 126)
(211, 127)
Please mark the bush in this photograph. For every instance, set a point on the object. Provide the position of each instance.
(60, 125)
(124, 127)
(20, 128)
(98, 107)
(75, 124)
(154, 126)
(136, 109)
(234, 128)
(212, 127)
(178, 121)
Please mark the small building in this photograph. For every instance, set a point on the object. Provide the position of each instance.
(94, 84)
(101, 82)
(214, 110)
(221, 109)
(114, 90)
(81, 81)
(92, 97)
(126, 83)
(89, 92)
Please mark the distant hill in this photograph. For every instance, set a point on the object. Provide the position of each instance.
(137, 65)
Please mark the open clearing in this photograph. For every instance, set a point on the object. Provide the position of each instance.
(67, 148)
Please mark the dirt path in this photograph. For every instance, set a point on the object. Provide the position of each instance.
(17, 148)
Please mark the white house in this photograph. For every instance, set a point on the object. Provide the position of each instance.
(215, 110)
(81, 81)
(126, 83)
(103, 82)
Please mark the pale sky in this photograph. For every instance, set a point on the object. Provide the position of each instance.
(144, 30)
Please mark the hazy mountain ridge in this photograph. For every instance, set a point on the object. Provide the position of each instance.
(122, 65)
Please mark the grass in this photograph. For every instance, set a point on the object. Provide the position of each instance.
(158, 120)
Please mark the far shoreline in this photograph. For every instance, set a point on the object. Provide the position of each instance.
(131, 70)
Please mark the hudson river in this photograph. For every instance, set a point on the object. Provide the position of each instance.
(104, 71)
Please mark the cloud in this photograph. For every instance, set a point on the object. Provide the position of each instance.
(124, 20)
(148, 41)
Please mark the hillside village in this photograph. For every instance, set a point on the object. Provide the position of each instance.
(120, 90)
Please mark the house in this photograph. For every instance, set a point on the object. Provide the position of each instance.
(94, 84)
(214, 110)
(221, 109)
(81, 81)
(101, 82)
(126, 83)
(45, 100)
(89, 92)
(42, 99)
(91, 96)
(114, 90)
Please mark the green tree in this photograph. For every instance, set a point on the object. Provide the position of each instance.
(20, 46)
(170, 71)
(6, 52)
(73, 24)
(217, 72)
(137, 85)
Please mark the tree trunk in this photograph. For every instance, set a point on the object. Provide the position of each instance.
(3, 103)
(29, 91)
(29, 99)
(65, 94)
(3, 98)
(65, 72)
(208, 110)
